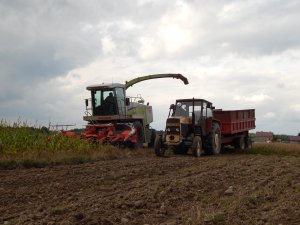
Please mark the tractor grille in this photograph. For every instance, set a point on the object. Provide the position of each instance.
(173, 126)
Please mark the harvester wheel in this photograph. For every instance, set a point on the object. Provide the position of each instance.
(140, 133)
(214, 140)
(197, 146)
(158, 146)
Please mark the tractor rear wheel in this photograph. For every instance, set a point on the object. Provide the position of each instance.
(158, 146)
(197, 146)
(140, 133)
(213, 141)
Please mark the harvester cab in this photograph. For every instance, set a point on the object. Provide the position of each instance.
(107, 99)
(115, 118)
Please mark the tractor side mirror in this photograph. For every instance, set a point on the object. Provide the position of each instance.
(86, 103)
(127, 101)
(172, 106)
(171, 110)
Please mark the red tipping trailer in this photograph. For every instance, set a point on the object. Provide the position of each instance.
(234, 126)
(235, 121)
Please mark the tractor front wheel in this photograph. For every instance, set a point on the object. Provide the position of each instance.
(197, 146)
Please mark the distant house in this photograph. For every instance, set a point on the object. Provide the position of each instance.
(261, 136)
(294, 139)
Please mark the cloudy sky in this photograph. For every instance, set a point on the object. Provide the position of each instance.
(236, 54)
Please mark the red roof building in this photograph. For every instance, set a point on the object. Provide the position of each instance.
(294, 139)
(261, 136)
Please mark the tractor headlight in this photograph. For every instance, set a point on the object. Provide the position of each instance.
(168, 129)
(177, 129)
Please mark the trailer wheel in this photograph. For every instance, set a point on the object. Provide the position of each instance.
(248, 143)
(240, 143)
(197, 146)
(158, 146)
(140, 133)
(214, 140)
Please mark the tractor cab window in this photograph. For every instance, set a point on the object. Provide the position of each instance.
(187, 108)
(182, 109)
(197, 112)
(207, 110)
(104, 102)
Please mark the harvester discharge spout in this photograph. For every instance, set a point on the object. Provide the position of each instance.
(156, 76)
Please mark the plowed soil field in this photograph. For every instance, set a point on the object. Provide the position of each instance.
(225, 189)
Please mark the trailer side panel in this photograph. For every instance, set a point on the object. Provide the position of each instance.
(235, 121)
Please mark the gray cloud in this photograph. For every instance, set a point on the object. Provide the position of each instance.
(238, 54)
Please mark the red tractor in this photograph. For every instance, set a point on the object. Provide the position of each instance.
(195, 124)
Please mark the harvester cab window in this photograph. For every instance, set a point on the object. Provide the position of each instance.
(104, 102)
(109, 103)
(120, 97)
(96, 97)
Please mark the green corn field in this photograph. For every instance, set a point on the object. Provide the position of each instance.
(24, 146)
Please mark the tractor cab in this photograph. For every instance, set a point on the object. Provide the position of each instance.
(107, 99)
(188, 107)
(189, 115)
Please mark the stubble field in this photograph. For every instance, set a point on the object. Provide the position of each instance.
(233, 188)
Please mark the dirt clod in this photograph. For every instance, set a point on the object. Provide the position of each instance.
(229, 191)
(79, 216)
